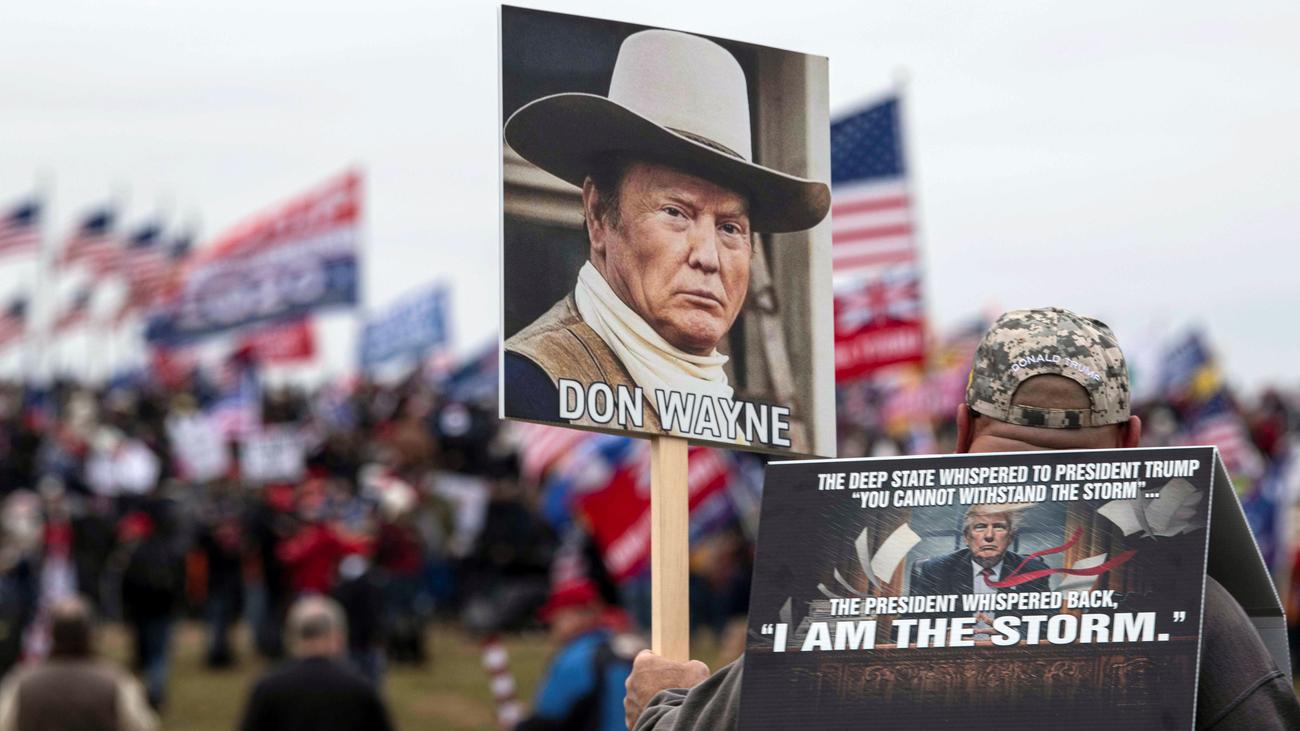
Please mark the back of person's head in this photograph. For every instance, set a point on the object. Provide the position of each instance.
(1047, 379)
(316, 627)
(71, 629)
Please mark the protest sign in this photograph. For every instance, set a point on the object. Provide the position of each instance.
(872, 604)
(272, 454)
(198, 447)
(296, 259)
(411, 328)
(709, 320)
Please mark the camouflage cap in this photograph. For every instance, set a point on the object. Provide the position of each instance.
(1049, 340)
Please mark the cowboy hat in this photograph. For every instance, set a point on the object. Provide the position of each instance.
(674, 98)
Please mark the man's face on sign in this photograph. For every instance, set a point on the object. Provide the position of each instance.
(675, 248)
(988, 537)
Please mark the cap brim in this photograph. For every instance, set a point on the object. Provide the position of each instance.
(564, 134)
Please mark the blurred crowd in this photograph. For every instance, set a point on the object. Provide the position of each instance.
(408, 502)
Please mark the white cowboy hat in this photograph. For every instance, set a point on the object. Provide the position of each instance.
(674, 98)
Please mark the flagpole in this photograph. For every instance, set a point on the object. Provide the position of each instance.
(35, 336)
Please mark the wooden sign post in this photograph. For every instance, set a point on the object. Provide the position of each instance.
(670, 601)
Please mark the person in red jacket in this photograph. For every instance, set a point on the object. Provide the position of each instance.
(312, 554)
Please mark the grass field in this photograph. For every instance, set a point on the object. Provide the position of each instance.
(450, 693)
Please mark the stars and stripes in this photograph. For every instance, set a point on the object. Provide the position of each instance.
(878, 308)
(871, 209)
(542, 446)
(13, 322)
(145, 264)
(20, 228)
(1227, 431)
(92, 242)
(77, 312)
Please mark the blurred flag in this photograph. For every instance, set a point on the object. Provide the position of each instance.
(878, 309)
(476, 380)
(145, 263)
(1192, 380)
(299, 257)
(1218, 422)
(92, 242)
(78, 311)
(20, 228)
(606, 480)
(1188, 370)
(410, 329)
(13, 323)
(280, 343)
(238, 410)
(541, 446)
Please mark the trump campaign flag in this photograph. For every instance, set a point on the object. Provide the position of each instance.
(409, 329)
(878, 311)
(281, 265)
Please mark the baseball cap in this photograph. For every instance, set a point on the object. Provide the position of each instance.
(567, 595)
(1049, 340)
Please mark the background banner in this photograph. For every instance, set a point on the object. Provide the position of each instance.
(409, 329)
(281, 265)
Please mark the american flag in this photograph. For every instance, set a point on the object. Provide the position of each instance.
(871, 208)
(878, 308)
(78, 312)
(13, 323)
(145, 263)
(238, 410)
(1227, 431)
(541, 446)
(20, 228)
(93, 242)
(1218, 422)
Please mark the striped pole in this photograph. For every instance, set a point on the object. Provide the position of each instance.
(496, 661)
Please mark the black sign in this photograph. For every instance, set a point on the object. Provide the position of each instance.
(1018, 590)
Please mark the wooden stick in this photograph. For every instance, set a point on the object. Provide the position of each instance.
(670, 602)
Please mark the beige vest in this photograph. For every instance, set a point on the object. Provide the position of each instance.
(566, 347)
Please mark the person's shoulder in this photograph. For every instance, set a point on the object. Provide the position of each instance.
(561, 315)
(311, 671)
(580, 651)
(1239, 685)
(947, 560)
(1011, 560)
(530, 393)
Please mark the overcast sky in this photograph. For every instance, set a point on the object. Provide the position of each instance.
(1138, 165)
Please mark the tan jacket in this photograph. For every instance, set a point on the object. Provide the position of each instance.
(564, 346)
(61, 695)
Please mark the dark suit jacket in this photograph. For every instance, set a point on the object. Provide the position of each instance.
(952, 574)
(314, 694)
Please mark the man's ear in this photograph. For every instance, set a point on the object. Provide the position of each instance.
(1131, 433)
(965, 429)
(595, 226)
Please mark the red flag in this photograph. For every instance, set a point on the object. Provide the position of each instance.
(281, 343)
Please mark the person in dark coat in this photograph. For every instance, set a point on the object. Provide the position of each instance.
(315, 690)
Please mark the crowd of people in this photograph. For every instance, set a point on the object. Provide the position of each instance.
(410, 502)
(101, 503)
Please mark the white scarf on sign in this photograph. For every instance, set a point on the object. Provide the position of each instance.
(653, 362)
